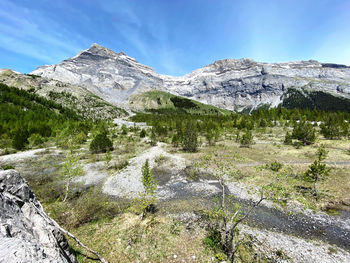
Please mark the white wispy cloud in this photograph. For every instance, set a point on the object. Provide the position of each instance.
(32, 34)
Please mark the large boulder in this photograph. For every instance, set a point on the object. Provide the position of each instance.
(27, 234)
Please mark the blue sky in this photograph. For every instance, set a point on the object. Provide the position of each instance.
(174, 36)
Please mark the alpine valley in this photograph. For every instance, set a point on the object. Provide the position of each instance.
(102, 158)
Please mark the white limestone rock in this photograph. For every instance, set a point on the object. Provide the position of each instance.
(26, 232)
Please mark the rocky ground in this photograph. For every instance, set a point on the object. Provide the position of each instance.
(294, 249)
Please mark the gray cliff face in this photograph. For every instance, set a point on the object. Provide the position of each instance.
(233, 84)
(26, 234)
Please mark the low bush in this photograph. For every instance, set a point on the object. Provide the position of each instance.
(275, 166)
(143, 133)
(35, 140)
(246, 139)
(87, 207)
(7, 167)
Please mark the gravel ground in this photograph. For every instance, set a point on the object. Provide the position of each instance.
(179, 188)
(296, 249)
(20, 156)
(128, 182)
(94, 174)
(130, 124)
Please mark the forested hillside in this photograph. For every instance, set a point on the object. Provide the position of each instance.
(26, 118)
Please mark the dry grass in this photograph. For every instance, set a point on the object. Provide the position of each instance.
(155, 239)
(250, 166)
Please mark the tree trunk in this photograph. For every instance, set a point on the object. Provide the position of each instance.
(315, 187)
(67, 190)
(52, 221)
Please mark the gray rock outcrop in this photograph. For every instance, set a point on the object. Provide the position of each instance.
(26, 232)
(234, 84)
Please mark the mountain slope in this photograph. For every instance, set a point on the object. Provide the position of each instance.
(164, 102)
(112, 76)
(231, 84)
(77, 98)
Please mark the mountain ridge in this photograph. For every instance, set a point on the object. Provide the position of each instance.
(234, 84)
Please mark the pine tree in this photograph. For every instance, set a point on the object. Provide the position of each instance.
(101, 143)
(304, 132)
(146, 202)
(288, 139)
(190, 139)
(143, 133)
(153, 137)
(247, 139)
(20, 138)
(317, 170)
(148, 179)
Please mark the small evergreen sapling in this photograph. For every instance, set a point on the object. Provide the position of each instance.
(143, 133)
(317, 170)
(288, 139)
(190, 139)
(247, 139)
(147, 198)
(153, 137)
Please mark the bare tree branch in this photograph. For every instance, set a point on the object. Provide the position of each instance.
(50, 220)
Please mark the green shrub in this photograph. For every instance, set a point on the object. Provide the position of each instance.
(121, 164)
(35, 140)
(46, 189)
(7, 167)
(101, 143)
(304, 132)
(143, 133)
(93, 206)
(80, 138)
(288, 140)
(275, 166)
(263, 123)
(175, 140)
(20, 138)
(124, 129)
(153, 137)
(247, 139)
(87, 207)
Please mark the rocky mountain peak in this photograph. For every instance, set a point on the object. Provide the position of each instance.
(95, 52)
(242, 63)
(234, 84)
